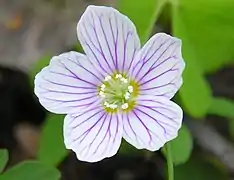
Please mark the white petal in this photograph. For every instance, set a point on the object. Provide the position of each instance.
(153, 122)
(109, 38)
(158, 66)
(93, 135)
(68, 84)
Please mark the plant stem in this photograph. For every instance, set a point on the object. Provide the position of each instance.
(170, 168)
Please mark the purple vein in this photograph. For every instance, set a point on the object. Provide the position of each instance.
(114, 60)
(136, 136)
(102, 53)
(165, 60)
(91, 143)
(171, 69)
(81, 87)
(163, 85)
(165, 116)
(84, 134)
(148, 131)
(125, 44)
(143, 60)
(90, 129)
(116, 43)
(143, 52)
(171, 55)
(75, 93)
(64, 101)
(116, 131)
(150, 100)
(133, 56)
(87, 118)
(97, 60)
(155, 120)
(58, 73)
(100, 20)
(151, 69)
(78, 64)
(108, 128)
(76, 75)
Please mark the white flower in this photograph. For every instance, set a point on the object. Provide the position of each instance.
(117, 90)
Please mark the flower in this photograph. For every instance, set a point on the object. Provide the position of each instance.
(117, 90)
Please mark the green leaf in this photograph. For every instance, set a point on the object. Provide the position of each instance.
(31, 170)
(195, 93)
(222, 107)
(208, 27)
(231, 128)
(182, 146)
(52, 149)
(128, 149)
(3, 159)
(143, 13)
(197, 169)
(225, 108)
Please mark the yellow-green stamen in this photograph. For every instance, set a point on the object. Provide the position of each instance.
(118, 93)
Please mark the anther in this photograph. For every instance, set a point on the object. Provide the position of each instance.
(130, 89)
(124, 80)
(107, 78)
(124, 106)
(106, 104)
(127, 95)
(101, 93)
(113, 106)
(103, 86)
(117, 76)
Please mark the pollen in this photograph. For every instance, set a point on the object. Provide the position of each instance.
(130, 89)
(124, 106)
(107, 78)
(124, 80)
(127, 95)
(117, 76)
(103, 86)
(101, 93)
(118, 93)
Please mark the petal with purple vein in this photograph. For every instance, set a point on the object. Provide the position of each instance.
(153, 122)
(158, 66)
(68, 84)
(109, 38)
(93, 135)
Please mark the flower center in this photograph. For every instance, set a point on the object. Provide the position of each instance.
(118, 93)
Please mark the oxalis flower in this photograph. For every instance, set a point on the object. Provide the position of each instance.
(117, 90)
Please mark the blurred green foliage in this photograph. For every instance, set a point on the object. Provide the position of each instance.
(182, 146)
(143, 14)
(195, 93)
(52, 141)
(27, 170)
(222, 107)
(3, 159)
(231, 128)
(208, 27)
(198, 169)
